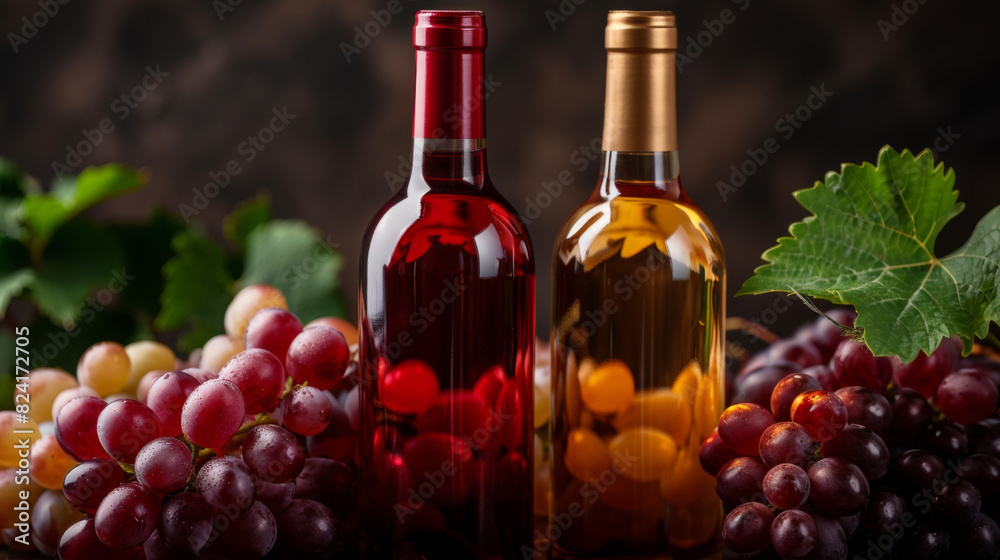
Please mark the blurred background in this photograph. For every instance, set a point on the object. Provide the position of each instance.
(180, 85)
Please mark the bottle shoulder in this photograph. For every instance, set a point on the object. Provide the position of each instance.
(599, 229)
(474, 223)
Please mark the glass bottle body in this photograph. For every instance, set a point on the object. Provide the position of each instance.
(637, 367)
(447, 333)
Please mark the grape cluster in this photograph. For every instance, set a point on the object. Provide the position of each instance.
(247, 449)
(830, 451)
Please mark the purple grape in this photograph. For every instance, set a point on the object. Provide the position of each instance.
(821, 413)
(917, 470)
(89, 482)
(252, 534)
(748, 527)
(80, 541)
(956, 504)
(741, 426)
(756, 386)
(226, 485)
(307, 527)
(306, 411)
(714, 453)
(185, 524)
(786, 442)
(967, 396)
(867, 407)
(979, 538)
(924, 373)
(861, 446)
(793, 534)
(823, 374)
(983, 471)
(330, 483)
(741, 480)
(786, 486)
(945, 439)
(273, 454)
(127, 516)
(883, 513)
(911, 415)
(926, 541)
(837, 487)
(164, 465)
(275, 496)
(799, 352)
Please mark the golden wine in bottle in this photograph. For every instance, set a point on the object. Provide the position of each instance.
(638, 329)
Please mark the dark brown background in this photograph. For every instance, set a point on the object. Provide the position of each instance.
(937, 71)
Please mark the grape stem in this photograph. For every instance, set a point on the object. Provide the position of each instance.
(751, 328)
(856, 334)
(205, 453)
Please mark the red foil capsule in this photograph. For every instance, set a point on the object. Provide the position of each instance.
(449, 49)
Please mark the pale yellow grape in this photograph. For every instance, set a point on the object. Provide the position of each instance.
(685, 482)
(707, 406)
(142, 391)
(246, 303)
(662, 409)
(644, 452)
(542, 407)
(44, 385)
(104, 367)
(144, 357)
(68, 395)
(218, 350)
(10, 442)
(586, 455)
(49, 463)
(609, 388)
(686, 384)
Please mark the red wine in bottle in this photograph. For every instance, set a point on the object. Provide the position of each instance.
(447, 311)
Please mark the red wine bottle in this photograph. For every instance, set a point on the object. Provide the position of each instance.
(447, 311)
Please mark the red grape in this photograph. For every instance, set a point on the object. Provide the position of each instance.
(911, 415)
(330, 483)
(253, 533)
(854, 364)
(80, 541)
(273, 454)
(785, 392)
(259, 376)
(714, 453)
(867, 407)
(164, 465)
(983, 471)
(786, 442)
(307, 527)
(185, 524)
(925, 373)
(861, 446)
(319, 356)
(967, 396)
(884, 512)
(825, 376)
(275, 496)
(213, 413)
(306, 411)
(748, 528)
(166, 398)
(127, 516)
(226, 485)
(89, 482)
(272, 329)
(76, 428)
(786, 486)
(793, 534)
(837, 487)
(821, 413)
(756, 386)
(741, 426)
(741, 480)
(125, 426)
(410, 387)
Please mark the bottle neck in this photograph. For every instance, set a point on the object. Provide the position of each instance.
(640, 109)
(642, 174)
(449, 98)
(447, 163)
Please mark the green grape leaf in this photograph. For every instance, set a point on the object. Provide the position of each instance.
(870, 243)
(80, 258)
(14, 186)
(147, 246)
(15, 270)
(198, 287)
(295, 258)
(248, 215)
(45, 213)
